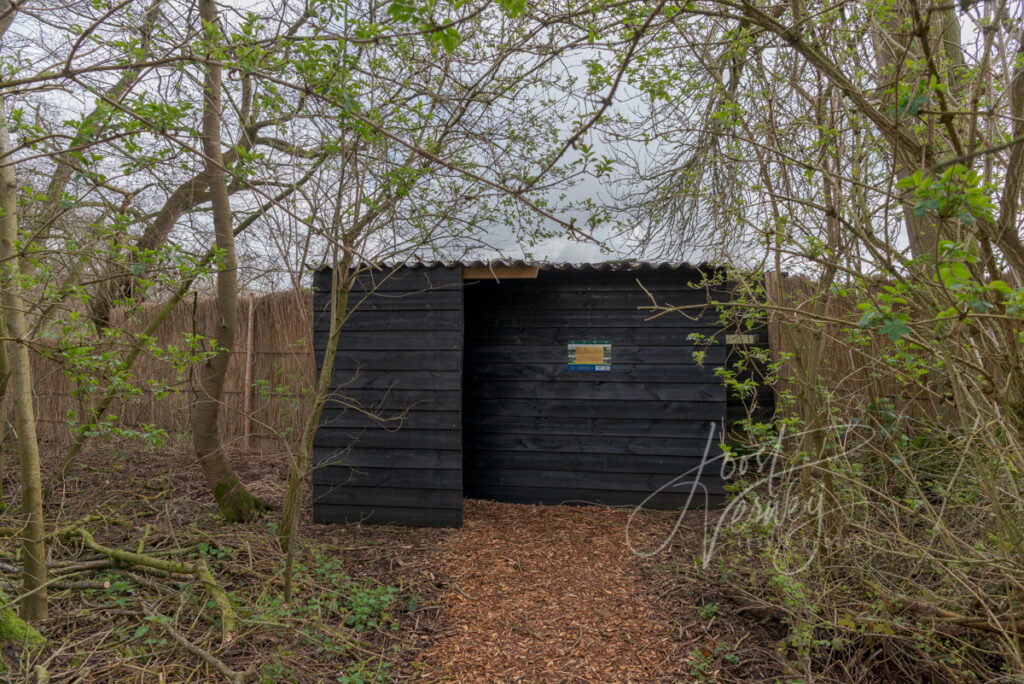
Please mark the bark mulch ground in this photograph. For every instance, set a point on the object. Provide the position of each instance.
(552, 593)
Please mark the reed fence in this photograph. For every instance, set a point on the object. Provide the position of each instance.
(265, 390)
(830, 356)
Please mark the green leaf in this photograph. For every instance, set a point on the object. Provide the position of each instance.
(894, 329)
(401, 11)
(925, 206)
(450, 40)
(1000, 286)
(869, 319)
(914, 106)
(980, 305)
(514, 8)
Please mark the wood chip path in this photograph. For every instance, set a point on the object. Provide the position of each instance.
(549, 594)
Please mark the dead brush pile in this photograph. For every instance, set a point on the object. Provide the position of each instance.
(149, 585)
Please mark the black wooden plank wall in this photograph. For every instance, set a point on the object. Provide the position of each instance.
(536, 432)
(399, 357)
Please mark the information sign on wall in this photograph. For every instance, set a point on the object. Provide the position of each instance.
(590, 355)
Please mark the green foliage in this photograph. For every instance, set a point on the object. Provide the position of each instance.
(702, 662)
(959, 194)
(369, 605)
(965, 292)
(366, 673)
(215, 554)
(275, 671)
(709, 610)
(843, 504)
(360, 605)
(912, 99)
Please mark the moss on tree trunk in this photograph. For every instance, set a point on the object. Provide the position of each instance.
(16, 630)
(235, 502)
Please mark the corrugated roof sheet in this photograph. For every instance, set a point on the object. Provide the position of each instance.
(617, 265)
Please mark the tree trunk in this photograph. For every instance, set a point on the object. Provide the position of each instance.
(33, 547)
(341, 283)
(5, 377)
(343, 276)
(235, 502)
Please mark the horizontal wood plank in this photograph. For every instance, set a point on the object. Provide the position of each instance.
(342, 438)
(560, 336)
(498, 272)
(604, 320)
(390, 321)
(398, 278)
(596, 390)
(593, 480)
(438, 399)
(450, 459)
(387, 515)
(620, 373)
(622, 353)
(608, 446)
(579, 279)
(388, 477)
(407, 285)
(623, 426)
(431, 300)
(392, 420)
(436, 341)
(653, 410)
(373, 360)
(416, 497)
(627, 298)
(670, 466)
(344, 380)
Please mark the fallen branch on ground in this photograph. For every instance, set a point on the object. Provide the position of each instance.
(199, 569)
(202, 654)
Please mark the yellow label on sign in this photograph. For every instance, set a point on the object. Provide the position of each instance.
(590, 354)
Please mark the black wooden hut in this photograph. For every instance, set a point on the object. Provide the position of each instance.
(521, 383)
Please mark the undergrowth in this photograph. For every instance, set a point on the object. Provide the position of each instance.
(884, 535)
(353, 619)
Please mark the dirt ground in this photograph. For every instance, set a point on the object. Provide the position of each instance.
(519, 594)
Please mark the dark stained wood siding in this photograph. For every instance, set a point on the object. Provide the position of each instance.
(400, 357)
(536, 432)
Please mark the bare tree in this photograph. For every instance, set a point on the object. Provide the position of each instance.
(33, 548)
(234, 501)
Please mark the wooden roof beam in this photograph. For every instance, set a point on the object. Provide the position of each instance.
(498, 272)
